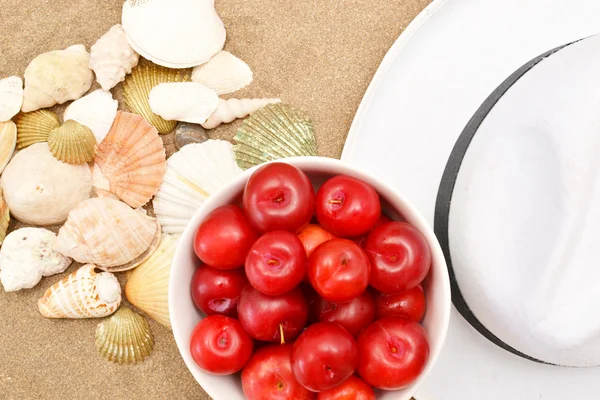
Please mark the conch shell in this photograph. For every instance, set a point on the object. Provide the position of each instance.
(109, 234)
(231, 109)
(83, 294)
(57, 77)
(111, 58)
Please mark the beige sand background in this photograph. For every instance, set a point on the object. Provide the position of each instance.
(318, 55)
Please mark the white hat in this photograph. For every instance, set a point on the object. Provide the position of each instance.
(514, 189)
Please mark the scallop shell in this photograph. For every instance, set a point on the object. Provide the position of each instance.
(72, 143)
(83, 294)
(11, 97)
(132, 159)
(4, 217)
(193, 173)
(8, 142)
(124, 338)
(26, 256)
(138, 85)
(96, 110)
(109, 234)
(111, 58)
(224, 73)
(273, 132)
(57, 77)
(148, 285)
(183, 101)
(174, 33)
(231, 109)
(35, 127)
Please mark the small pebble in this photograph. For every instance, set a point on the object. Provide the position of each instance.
(187, 133)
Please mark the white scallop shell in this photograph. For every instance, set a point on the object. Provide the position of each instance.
(11, 97)
(231, 109)
(83, 294)
(40, 190)
(111, 58)
(224, 73)
(174, 33)
(183, 101)
(193, 173)
(96, 110)
(27, 255)
(57, 77)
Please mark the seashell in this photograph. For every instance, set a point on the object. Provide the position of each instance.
(231, 109)
(83, 294)
(132, 159)
(26, 255)
(72, 143)
(224, 73)
(57, 77)
(124, 338)
(188, 34)
(35, 127)
(96, 110)
(147, 286)
(111, 58)
(4, 217)
(8, 142)
(40, 190)
(273, 132)
(183, 101)
(11, 97)
(187, 133)
(193, 173)
(109, 234)
(138, 85)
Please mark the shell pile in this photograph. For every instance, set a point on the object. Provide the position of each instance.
(94, 167)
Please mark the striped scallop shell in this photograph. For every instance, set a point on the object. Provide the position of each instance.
(8, 141)
(124, 338)
(109, 234)
(83, 294)
(148, 285)
(34, 127)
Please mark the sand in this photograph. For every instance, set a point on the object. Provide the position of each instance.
(316, 55)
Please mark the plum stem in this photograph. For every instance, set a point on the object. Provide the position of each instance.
(281, 333)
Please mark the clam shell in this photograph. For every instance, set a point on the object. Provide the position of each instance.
(138, 85)
(224, 73)
(183, 101)
(4, 217)
(8, 142)
(111, 58)
(273, 132)
(148, 285)
(124, 338)
(96, 110)
(193, 173)
(174, 33)
(11, 97)
(56, 77)
(83, 294)
(35, 127)
(26, 256)
(72, 143)
(232, 109)
(107, 233)
(40, 190)
(132, 159)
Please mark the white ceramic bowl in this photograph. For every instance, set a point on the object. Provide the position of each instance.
(185, 316)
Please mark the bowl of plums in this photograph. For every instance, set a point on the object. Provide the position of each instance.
(307, 278)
